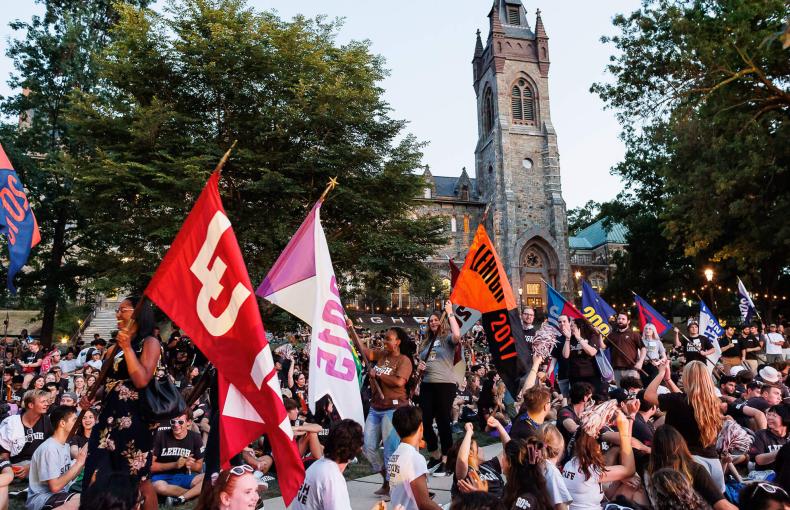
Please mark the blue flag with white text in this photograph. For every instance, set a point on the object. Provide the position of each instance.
(745, 304)
(17, 221)
(595, 309)
(710, 328)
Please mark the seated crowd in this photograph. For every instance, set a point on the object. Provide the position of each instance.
(668, 430)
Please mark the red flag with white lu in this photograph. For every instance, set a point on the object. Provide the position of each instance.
(202, 284)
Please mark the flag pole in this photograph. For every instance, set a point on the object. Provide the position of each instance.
(329, 187)
(374, 384)
(756, 311)
(225, 157)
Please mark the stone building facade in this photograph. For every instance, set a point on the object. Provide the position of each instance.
(516, 161)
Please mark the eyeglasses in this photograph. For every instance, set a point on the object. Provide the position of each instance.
(119, 310)
(771, 488)
(177, 422)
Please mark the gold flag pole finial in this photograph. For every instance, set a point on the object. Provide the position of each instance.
(329, 187)
(225, 157)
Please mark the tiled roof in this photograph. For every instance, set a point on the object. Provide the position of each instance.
(446, 186)
(596, 235)
(579, 243)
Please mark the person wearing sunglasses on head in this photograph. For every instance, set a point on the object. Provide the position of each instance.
(232, 489)
(178, 461)
(763, 496)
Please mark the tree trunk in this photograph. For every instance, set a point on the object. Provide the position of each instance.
(53, 280)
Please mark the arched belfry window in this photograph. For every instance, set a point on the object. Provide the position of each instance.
(488, 111)
(522, 100)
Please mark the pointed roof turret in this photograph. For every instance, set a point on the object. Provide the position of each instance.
(478, 45)
(540, 30)
(496, 22)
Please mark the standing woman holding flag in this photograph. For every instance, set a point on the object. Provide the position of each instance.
(437, 390)
(122, 440)
(393, 369)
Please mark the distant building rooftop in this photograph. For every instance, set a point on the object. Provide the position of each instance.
(597, 235)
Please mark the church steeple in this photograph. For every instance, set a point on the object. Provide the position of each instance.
(542, 47)
(478, 46)
(496, 22)
(540, 30)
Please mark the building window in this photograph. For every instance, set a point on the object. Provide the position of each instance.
(512, 16)
(466, 223)
(533, 289)
(426, 193)
(464, 192)
(522, 101)
(452, 224)
(533, 259)
(488, 111)
(527, 163)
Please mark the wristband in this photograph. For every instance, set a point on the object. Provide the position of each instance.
(5, 464)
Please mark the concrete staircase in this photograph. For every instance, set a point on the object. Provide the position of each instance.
(103, 322)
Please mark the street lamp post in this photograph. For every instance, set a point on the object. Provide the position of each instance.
(520, 299)
(577, 276)
(709, 277)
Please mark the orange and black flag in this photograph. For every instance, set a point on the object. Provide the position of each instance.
(483, 285)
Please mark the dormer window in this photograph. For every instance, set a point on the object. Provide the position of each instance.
(426, 193)
(464, 192)
(513, 17)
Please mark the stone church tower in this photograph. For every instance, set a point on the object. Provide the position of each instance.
(517, 166)
(516, 159)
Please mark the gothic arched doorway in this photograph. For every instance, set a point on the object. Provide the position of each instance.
(538, 264)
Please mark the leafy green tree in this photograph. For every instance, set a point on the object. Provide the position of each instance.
(580, 217)
(701, 88)
(178, 89)
(55, 57)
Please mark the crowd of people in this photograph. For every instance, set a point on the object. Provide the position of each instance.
(666, 429)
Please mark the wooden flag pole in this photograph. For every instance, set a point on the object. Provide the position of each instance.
(329, 187)
(225, 157)
(374, 384)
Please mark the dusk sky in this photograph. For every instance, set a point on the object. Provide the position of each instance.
(428, 48)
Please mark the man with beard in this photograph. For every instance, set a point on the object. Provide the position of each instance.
(629, 352)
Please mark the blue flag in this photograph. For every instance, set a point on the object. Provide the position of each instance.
(649, 314)
(710, 328)
(558, 305)
(17, 221)
(745, 304)
(595, 309)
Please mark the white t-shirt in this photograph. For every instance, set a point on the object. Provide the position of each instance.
(587, 493)
(770, 347)
(405, 465)
(555, 485)
(324, 488)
